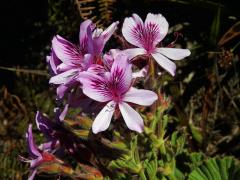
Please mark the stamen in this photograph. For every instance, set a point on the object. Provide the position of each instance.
(176, 35)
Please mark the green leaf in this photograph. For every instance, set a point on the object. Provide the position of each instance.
(178, 174)
(215, 27)
(217, 169)
(196, 132)
(151, 169)
(174, 139)
(196, 159)
(81, 133)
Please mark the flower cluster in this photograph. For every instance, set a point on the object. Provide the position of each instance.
(86, 76)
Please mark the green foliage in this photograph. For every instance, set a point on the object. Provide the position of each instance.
(10, 166)
(226, 168)
(196, 159)
(80, 126)
(157, 159)
(63, 17)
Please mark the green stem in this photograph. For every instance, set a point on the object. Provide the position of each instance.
(152, 72)
(142, 175)
(233, 49)
(152, 68)
(163, 149)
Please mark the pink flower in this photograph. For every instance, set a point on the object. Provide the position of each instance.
(50, 128)
(68, 60)
(91, 41)
(37, 157)
(114, 87)
(147, 35)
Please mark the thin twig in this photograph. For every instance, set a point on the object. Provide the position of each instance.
(232, 101)
(26, 71)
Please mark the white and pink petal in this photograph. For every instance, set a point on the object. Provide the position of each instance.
(87, 61)
(133, 52)
(64, 77)
(157, 26)
(133, 30)
(32, 148)
(140, 96)
(100, 37)
(83, 30)
(65, 50)
(84, 36)
(174, 53)
(107, 33)
(95, 87)
(165, 63)
(61, 91)
(64, 67)
(103, 119)
(109, 57)
(121, 73)
(132, 118)
(53, 62)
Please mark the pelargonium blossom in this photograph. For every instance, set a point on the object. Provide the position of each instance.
(146, 36)
(73, 58)
(114, 88)
(48, 127)
(38, 157)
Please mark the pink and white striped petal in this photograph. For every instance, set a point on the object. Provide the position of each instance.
(157, 26)
(109, 57)
(132, 119)
(165, 63)
(95, 87)
(121, 73)
(140, 96)
(83, 34)
(107, 33)
(87, 61)
(64, 77)
(64, 67)
(174, 53)
(133, 30)
(63, 113)
(85, 37)
(103, 119)
(96, 69)
(133, 52)
(146, 35)
(61, 90)
(31, 145)
(65, 50)
(100, 37)
(53, 61)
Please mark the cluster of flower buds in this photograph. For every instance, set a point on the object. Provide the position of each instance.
(86, 76)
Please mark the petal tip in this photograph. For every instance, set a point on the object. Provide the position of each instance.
(95, 131)
(139, 129)
(188, 53)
